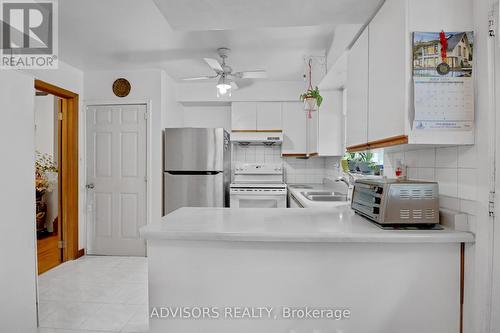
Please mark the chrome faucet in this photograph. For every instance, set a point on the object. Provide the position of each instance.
(348, 180)
(344, 180)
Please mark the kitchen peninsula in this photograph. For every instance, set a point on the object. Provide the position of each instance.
(390, 281)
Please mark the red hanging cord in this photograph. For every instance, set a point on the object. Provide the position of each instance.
(310, 74)
(444, 45)
(309, 115)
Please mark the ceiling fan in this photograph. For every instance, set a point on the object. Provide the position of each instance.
(225, 73)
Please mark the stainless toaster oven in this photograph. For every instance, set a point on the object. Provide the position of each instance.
(392, 201)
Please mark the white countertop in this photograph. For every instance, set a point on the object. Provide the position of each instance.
(321, 225)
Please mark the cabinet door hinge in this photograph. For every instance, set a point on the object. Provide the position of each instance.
(61, 244)
(146, 115)
(60, 115)
(491, 26)
(491, 204)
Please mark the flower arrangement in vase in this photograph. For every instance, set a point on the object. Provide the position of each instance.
(45, 181)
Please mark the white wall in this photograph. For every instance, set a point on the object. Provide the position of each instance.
(17, 233)
(172, 114)
(250, 91)
(485, 117)
(45, 129)
(207, 116)
(147, 86)
(17, 202)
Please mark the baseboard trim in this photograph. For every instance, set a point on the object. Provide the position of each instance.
(80, 253)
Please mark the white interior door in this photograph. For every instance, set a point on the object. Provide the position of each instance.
(116, 179)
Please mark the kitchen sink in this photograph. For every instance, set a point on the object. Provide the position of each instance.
(301, 186)
(306, 193)
(324, 196)
(327, 198)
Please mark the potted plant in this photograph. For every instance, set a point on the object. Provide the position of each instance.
(311, 98)
(361, 162)
(365, 163)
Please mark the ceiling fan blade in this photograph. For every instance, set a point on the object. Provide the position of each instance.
(234, 86)
(257, 74)
(214, 64)
(199, 78)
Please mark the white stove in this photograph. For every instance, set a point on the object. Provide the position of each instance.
(258, 185)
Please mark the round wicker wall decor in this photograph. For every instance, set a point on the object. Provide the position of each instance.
(121, 87)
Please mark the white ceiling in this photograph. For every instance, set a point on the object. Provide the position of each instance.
(133, 34)
(241, 14)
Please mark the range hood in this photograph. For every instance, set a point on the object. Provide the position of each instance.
(264, 138)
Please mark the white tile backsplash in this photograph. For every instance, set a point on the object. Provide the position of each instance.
(447, 179)
(467, 184)
(256, 154)
(454, 168)
(467, 157)
(447, 157)
(426, 174)
(426, 158)
(297, 170)
(312, 170)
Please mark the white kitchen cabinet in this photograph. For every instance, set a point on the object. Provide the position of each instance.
(312, 133)
(357, 92)
(256, 116)
(269, 116)
(386, 72)
(319, 135)
(244, 116)
(331, 124)
(294, 129)
(386, 44)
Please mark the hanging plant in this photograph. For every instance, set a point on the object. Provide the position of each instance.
(311, 97)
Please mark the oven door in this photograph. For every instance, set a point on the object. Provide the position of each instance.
(257, 200)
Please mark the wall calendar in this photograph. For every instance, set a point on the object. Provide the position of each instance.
(442, 80)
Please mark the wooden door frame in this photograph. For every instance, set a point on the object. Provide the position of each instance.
(68, 175)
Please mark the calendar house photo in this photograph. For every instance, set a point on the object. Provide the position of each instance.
(431, 49)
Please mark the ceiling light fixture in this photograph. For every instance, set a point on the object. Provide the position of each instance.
(223, 86)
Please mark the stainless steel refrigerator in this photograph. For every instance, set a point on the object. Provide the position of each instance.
(196, 168)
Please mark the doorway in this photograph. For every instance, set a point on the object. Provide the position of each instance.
(57, 167)
(116, 150)
(47, 184)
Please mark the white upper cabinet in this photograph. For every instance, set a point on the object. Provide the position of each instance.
(294, 129)
(269, 116)
(330, 124)
(379, 74)
(386, 72)
(320, 135)
(256, 116)
(244, 116)
(357, 92)
(312, 133)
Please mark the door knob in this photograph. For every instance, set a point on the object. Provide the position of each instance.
(90, 186)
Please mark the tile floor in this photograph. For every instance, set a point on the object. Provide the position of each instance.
(94, 294)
